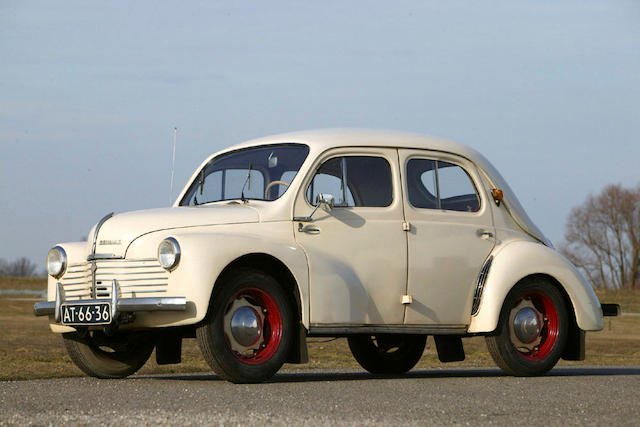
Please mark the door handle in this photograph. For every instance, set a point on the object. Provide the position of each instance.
(311, 229)
(485, 234)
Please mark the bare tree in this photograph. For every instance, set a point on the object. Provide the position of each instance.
(603, 237)
(22, 267)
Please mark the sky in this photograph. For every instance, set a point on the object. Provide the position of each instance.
(90, 93)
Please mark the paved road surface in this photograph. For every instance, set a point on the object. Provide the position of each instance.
(591, 396)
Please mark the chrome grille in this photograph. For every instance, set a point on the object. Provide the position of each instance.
(135, 277)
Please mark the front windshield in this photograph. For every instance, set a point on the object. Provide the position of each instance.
(261, 173)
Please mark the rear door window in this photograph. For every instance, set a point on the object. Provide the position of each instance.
(436, 184)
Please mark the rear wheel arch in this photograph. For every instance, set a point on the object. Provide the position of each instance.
(552, 280)
(573, 326)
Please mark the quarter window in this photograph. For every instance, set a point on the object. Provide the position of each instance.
(435, 184)
(354, 181)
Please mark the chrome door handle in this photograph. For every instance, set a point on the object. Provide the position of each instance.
(311, 229)
(484, 234)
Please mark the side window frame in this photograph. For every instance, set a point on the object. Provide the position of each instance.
(454, 162)
(343, 155)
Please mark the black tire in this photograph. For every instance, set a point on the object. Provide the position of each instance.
(101, 356)
(253, 291)
(387, 353)
(519, 357)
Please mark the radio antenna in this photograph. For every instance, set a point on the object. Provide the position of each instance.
(173, 163)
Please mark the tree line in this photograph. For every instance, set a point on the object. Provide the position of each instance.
(602, 237)
(21, 267)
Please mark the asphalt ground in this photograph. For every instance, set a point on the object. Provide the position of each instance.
(574, 396)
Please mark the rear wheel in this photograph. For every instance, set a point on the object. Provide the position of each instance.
(248, 331)
(532, 329)
(102, 356)
(387, 353)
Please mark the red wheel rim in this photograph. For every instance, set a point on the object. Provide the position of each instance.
(549, 331)
(271, 329)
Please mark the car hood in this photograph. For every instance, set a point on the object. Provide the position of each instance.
(116, 234)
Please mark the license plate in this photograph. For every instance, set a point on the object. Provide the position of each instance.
(86, 314)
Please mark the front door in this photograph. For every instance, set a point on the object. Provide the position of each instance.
(357, 251)
(451, 235)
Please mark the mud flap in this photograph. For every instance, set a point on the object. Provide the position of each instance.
(449, 348)
(299, 353)
(169, 348)
(574, 348)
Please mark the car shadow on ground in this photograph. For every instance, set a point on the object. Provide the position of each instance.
(315, 376)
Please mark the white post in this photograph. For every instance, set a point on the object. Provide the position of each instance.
(173, 163)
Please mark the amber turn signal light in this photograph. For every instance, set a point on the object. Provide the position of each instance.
(497, 195)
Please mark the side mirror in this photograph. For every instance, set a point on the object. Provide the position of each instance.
(324, 200)
(327, 201)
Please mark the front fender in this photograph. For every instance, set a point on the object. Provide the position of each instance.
(204, 255)
(519, 259)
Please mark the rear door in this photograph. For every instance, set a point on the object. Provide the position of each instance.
(451, 235)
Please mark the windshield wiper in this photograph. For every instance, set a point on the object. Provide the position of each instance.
(248, 180)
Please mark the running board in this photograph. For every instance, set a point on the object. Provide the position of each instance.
(341, 330)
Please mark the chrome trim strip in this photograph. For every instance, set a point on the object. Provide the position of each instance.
(129, 260)
(114, 299)
(93, 257)
(86, 276)
(59, 300)
(482, 278)
(87, 282)
(127, 267)
(138, 279)
(95, 235)
(44, 308)
(144, 285)
(325, 330)
(142, 291)
(153, 304)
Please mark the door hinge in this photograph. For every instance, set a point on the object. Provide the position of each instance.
(406, 226)
(407, 299)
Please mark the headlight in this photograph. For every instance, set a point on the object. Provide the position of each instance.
(56, 261)
(169, 253)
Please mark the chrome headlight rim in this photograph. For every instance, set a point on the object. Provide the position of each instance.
(58, 272)
(176, 252)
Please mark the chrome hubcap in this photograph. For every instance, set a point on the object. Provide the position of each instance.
(243, 327)
(526, 324)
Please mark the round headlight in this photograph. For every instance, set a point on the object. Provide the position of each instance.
(169, 253)
(56, 261)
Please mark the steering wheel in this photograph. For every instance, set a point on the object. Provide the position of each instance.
(271, 184)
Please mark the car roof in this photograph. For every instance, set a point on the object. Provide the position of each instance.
(324, 139)
(320, 140)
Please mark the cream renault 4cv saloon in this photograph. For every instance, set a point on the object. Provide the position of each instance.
(380, 237)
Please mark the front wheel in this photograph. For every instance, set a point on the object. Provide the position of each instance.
(532, 329)
(102, 356)
(248, 331)
(387, 353)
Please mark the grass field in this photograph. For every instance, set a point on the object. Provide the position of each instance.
(28, 349)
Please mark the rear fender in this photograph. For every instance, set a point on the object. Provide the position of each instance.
(519, 259)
